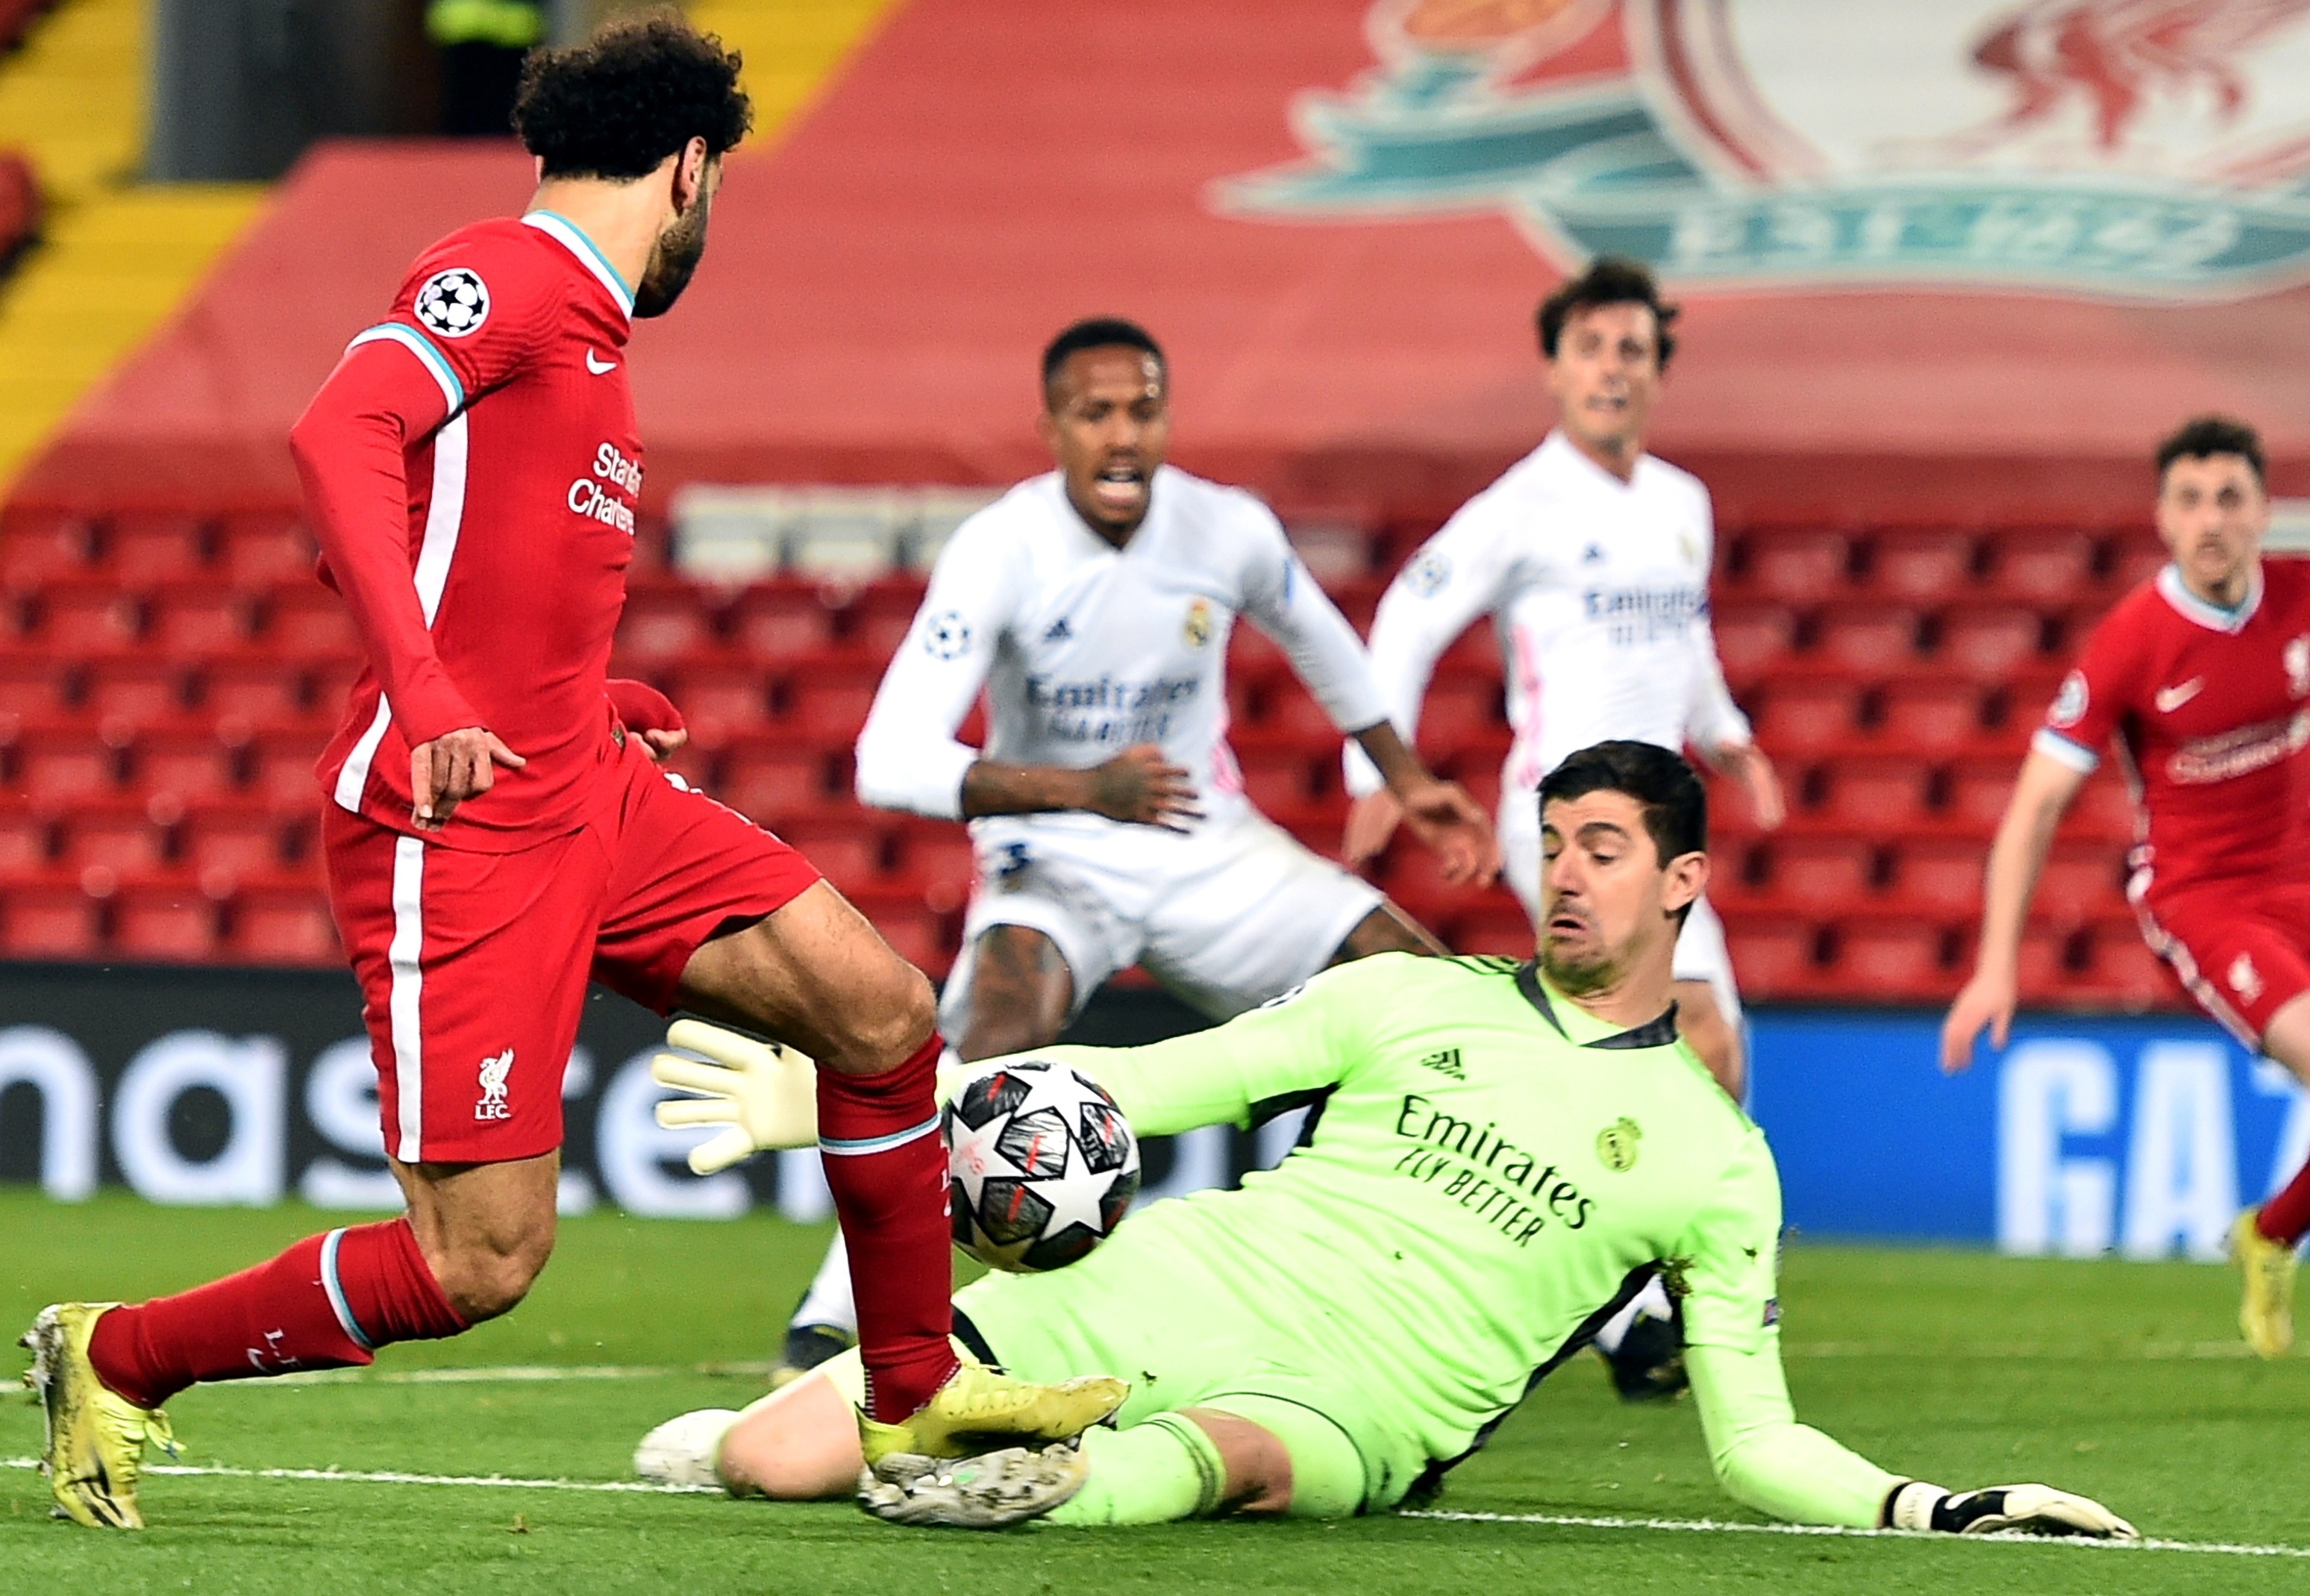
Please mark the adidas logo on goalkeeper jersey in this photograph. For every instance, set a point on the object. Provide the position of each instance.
(1446, 1063)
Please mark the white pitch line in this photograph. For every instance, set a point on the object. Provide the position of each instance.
(517, 1373)
(1708, 1526)
(395, 1477)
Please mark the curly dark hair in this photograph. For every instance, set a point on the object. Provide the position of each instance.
(1610, 279)
(638, 91)
(2202, 436)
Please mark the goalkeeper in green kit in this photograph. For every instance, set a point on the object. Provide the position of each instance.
(1500, 1156)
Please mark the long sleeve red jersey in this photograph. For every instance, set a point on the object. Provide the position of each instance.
(472, 468)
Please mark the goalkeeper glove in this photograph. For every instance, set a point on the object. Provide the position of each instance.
(764, 1092)
(2038, 1509)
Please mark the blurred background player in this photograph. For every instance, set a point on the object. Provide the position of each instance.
(1093, 605)
(2199, 678)
(1592, 558)
(496, 835)
(1291, 1376)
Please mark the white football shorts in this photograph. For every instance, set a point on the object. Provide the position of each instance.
(1701, 954)
(1226, 916)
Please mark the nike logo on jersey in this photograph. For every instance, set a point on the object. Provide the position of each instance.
(1059, 631)
(2170, 698)
(598, 367)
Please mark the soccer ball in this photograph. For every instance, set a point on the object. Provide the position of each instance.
(1042, 1164)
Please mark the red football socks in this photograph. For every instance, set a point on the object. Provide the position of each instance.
(886, 1165)
(2287, 1216)
(327, 1302)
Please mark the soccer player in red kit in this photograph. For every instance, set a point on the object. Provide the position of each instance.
(497, 830)
(2200, 680)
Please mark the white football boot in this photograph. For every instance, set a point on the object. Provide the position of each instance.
(684, 1449)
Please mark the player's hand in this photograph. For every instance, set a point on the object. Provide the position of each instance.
(1140, 786)
(1746, 763)
(1987, 1000)
(2036, 1509)
(453, 767)
(764, 1092)
(662, 744)
(1371, 821)
(1449, 824)
(649, 714)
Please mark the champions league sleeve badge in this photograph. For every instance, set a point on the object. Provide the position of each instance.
(2116, 149)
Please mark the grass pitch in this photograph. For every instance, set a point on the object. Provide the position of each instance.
(2125, 1381)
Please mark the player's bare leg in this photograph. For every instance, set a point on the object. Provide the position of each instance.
(485, 1229)
(1705, 1031)
(1021, 991)
(2264, 1238)
(816, 975)
(1387, 928)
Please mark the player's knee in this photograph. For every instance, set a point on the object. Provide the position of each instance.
(894, 1016)
(485, 1277)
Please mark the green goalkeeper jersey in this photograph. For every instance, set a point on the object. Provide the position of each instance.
(1490, 1171)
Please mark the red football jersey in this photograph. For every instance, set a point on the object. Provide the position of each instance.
(2207, 707)
(472, 467)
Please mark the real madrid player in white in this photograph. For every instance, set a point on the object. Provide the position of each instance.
(1092, 605)
(1592, 557)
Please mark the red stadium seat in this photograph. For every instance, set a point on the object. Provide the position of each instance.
(882, 614)
(1276, 772)
(719, 699)
(1979, 789)
(1499, 928)
(33, 555)
(2045, 566)
(1458, 709)
(62, 762)
(1916, 565)
(1872, 640)
(140, 691)
(1773, 958)
(1751, 638)
(87, 617)
(1930, 714)
(2122, 972)
(938, 862)
(304, 620)
(1940, 878)
(144, 552)
(1801, 566)
(196, 620)
(779, 620)
(282, 762)
(34, 683)
(2081, 880)
(255, 688)
(236, 841)
(176, 923)
(2135, 560)
(2043, 969)
(281, 924)
(1289, 710)
(256, 553)
(332, 684)
(846, 851)
(2103, 810)
(49, 919)
(1822, 874)
(1877, 790)
(24, 839)
(1891, 956)
(190, 765)
(918, 934)
(826, 699)
(1807, 713)
(1989, 641)
(119, 835)
(773, 780)
(665, 620)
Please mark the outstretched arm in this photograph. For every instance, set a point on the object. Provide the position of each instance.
(2025, 837)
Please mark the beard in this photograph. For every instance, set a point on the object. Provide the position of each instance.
(1577, 977)
(672, 262)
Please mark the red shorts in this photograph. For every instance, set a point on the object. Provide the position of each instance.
(473, 967)
(2242, 949)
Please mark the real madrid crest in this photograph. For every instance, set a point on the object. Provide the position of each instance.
(1616, 1145)
(1198, 629)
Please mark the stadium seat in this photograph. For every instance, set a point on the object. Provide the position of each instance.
(1459, 709)
(2042, 566)
(62, 762)
(189, 764)
(1977, 790)
(1920, 566)
(846, 852)
(918, 934)
(779, 620)
(233, 841)
(34, 683)
(281, 761)
(253, 688)
(140, 692)
(1989, 641)
(146, 551)
(1806, 713)
(1774, 958)
(2042, 969)
(331, 683)
(1871, 639)
(1824, 873)
(284, 924)
(772, 779)
(304, 620)
(1499, 928)
(826, 698)
(1894, 956)
(255, 553)
(1930, 714)
(2081, 880)
(24, 839)
(199, 618)
(882, 614)
(2103, 810)
(937, 861)
(1752, 637)
(119, 834)
(1940, 877)
(2134, 561)
(1798, 567)
(719, 699)
(84, 616)
(176, 923)
(1884, 791)
(663, 620)
(49, 919)
(34, 554)
(1276, 773)
(1287, 710)
(2120, 970)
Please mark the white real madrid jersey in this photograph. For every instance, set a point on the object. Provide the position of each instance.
(1085, 649)
(1599, 591)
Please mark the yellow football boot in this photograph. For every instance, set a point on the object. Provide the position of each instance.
(2266, 1312)
(980, 1410)
(96, 1437)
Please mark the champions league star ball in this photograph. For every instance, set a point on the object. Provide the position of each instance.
(1043, 1165)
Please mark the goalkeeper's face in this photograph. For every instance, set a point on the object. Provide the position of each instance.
(1610, 906)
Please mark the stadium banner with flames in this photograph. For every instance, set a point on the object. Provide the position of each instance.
(2087, 1136)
